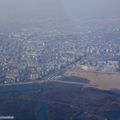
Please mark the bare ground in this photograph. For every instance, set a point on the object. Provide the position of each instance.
(98, 79)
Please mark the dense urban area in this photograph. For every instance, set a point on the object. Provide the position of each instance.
(60, 59)
(32, 54)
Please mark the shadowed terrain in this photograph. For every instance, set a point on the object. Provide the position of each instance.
(58, 101)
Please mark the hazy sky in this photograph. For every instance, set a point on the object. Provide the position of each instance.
(93, 8)
(40, 9)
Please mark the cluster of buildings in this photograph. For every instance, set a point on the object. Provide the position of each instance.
(106, 66)
(32, 54)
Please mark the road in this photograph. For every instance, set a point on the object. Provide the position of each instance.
(49, 78)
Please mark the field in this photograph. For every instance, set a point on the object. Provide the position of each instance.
(97, 79)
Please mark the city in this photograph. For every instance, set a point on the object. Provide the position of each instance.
(33, 54)
(60, 59)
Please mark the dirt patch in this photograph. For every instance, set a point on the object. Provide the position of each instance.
(98, 79)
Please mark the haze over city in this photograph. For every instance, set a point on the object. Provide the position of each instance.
(37, 10)
(60, 59)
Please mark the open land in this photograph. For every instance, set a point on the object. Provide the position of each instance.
(98, 79)
(58, 101)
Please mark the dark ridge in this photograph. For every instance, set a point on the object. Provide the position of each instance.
(74, 79)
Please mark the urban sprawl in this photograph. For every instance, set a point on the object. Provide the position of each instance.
(31, 54)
